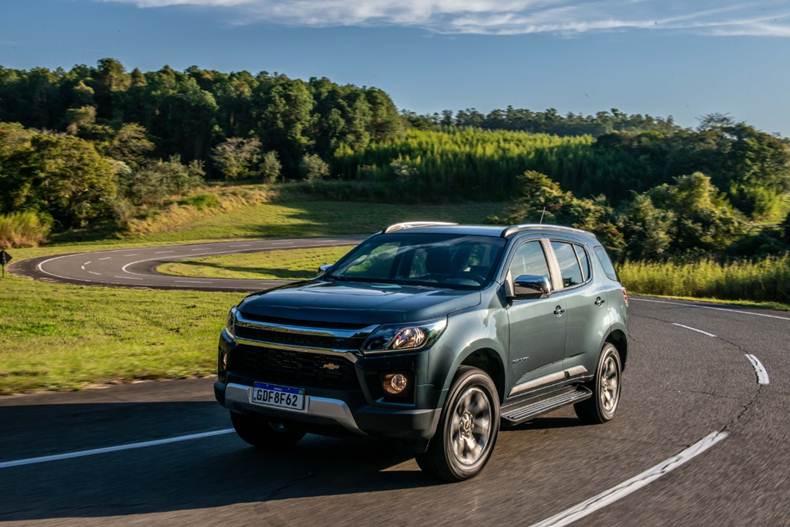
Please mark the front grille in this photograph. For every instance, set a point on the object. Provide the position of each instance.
(299, 339)
(299, 322)
(293, 368)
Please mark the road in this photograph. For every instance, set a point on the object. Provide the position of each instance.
(136, 267)
(694, 370)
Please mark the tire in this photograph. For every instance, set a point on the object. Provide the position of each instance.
(457, 452)
(606, 387)
(264, 433)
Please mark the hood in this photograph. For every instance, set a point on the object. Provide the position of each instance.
(357, 302)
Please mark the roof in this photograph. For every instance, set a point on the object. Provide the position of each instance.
(503, 231)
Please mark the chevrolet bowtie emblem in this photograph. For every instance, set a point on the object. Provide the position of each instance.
(330, 366)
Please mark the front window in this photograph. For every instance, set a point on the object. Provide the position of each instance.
(439, 260)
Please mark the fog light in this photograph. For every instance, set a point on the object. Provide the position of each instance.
(395, 383)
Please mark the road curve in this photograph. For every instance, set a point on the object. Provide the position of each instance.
(136, 267)
(160, 453)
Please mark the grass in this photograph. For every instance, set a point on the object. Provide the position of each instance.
(766, 280)
(287, 264)
(63, 337)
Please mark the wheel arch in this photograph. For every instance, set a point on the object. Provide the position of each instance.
(619, 339)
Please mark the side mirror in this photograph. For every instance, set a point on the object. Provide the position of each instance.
(531, 286)
(323, 268)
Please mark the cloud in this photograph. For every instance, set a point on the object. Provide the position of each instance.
(768, 18)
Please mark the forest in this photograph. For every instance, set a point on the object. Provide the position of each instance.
(96, 145)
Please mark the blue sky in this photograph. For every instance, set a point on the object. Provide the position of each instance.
(662, 57)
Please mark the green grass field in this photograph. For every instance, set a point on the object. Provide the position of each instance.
(63, 337)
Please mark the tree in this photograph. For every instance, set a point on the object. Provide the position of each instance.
(131, 145)
(313, 168)
(646, 228)
(237, 158)
(270, 167)
(159, 179)
(81, 117)
(702, 218)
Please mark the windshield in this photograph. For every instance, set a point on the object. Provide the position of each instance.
(443, 260)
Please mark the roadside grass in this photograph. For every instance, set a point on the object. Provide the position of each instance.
(285, 264)
(64, 337)
(765, 280)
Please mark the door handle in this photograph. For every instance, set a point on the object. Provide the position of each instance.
(599, 301)
(559, 311)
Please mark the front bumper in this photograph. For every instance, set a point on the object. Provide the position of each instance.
(356, 408)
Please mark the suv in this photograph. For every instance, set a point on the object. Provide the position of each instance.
(432, 334)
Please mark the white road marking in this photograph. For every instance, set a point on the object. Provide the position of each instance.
(82, 267)
(759, 369)
(88, 262)
(625, 488)
(127, 277)
(107, 258)
(193, 281)
(115, 448)
(94, 272)
(163, 252)
(700, 306)
(693, 329)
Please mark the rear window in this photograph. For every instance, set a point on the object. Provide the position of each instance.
(606, 263)
(569, 265)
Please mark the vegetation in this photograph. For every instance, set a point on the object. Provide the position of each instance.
(288, 264)
(23, 229)
(762, 280)
(60, 337)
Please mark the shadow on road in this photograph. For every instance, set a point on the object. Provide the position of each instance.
(189, 475)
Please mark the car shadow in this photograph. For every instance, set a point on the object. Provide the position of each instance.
(189, 475)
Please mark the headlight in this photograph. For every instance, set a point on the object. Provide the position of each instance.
(402, 337)
(230, 324)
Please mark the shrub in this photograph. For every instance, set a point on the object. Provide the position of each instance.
(237, 158)
(202, 201)
(23, 229)
(157, 180)
(313, 168)
(270, 167)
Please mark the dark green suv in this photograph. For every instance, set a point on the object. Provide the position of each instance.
(432, 334)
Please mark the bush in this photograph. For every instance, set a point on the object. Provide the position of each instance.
(237, 158)
(270, 167)
(763, 280)
(23, 229)
(313, 168)
(202, 201)
(157, 180)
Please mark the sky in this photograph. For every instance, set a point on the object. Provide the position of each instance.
(662, 57)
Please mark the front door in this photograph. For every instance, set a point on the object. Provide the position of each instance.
(537, 333)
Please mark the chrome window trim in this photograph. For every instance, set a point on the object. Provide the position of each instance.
(572, 243)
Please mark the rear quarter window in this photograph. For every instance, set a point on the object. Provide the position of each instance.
(606, 263)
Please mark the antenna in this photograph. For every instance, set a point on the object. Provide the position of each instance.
(541, 215)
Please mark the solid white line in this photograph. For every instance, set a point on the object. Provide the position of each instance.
(625, 488)
(759, 369)
(700, 306)
(116, 448)
(127, 277)
(192, 282)
(693, 329)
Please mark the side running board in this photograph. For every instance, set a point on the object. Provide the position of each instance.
(522, 412)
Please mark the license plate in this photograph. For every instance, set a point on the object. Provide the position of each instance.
(264, 394)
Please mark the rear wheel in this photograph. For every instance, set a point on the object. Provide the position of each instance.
(606, 386)
(264, 433)
(467, 430)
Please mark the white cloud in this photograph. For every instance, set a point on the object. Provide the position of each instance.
(770, 18)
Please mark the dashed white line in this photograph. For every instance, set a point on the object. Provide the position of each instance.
(88, 262)
(693, 329)
(163, 252)
(700, 306)
(115, 448)
(128, 277)
(759, 369)
(629, 486)
(106, 258)
(94, 273)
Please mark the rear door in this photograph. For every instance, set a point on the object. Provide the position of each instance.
(537, 334)
(583, 303)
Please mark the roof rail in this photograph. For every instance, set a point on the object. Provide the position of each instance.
(395, 227)
(513, 229)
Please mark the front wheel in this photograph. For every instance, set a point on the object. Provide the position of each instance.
(606, 385)
(263, 433)
(467, 430)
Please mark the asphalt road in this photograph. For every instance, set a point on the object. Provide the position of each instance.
(688, 376)
(136, 267)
